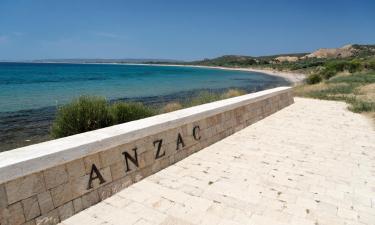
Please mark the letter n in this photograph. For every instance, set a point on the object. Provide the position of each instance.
(134, 159)
(98, 175)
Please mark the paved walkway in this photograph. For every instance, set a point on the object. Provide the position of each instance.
(311, 163)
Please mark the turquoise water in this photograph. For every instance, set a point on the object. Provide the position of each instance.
(30, 92)
(26, 86)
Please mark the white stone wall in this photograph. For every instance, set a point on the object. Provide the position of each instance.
(51, 181)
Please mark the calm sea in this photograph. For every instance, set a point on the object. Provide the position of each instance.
(30, 92)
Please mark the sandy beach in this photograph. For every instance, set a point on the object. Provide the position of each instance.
(294, 78)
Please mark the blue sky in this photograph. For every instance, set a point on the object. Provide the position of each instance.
(179, 29)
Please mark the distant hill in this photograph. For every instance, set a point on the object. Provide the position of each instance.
(238, 60)
(345, 52)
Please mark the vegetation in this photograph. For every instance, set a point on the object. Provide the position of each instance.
(313, 79)
(351, 80)
(357, 89)
(209, 96)
(90, 112)
(343, 74)
(357, 55)
(122, 112)
(172, 106)
(83, 114)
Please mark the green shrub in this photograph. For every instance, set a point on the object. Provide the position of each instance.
(83, 114)
(313, 79)
(354, 66)
(327, 73)
(122, 112)
(370, 65)
(89, 113)
(334, 67)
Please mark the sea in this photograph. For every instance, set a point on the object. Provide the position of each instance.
(30, 93)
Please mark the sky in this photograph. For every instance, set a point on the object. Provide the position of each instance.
(179, 29)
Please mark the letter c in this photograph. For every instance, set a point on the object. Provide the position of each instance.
(196, 135)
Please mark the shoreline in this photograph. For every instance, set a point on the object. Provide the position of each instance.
(294, 78)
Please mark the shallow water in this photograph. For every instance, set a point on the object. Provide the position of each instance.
(25, 86)
(30, 92)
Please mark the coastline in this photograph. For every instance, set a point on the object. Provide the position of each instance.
(25, 127)
(294, 78)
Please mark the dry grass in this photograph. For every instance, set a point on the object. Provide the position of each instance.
(233, 93)
(172, 106)
(367, 92)
(303, 89)
(358, 90)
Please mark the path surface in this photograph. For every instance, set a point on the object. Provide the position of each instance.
(311, 163)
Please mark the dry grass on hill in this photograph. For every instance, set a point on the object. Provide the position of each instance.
(358, 90)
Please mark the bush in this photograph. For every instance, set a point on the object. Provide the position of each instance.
(313, 79)
(122, 112)
(89, 113)
(83, 114)
(334, 67)
(327, 73)
(370, 64)
(354, 66)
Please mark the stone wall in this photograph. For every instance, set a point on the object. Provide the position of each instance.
(49, 182)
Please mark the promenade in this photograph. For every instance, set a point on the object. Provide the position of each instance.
(310, 163)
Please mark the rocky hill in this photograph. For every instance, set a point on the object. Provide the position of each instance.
(343, 52)
(347, 51)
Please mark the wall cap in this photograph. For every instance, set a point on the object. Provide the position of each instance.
(34, 158)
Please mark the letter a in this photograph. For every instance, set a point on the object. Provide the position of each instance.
(97, 176)
(180, 141)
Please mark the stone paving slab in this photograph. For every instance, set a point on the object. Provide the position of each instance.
(311, 163)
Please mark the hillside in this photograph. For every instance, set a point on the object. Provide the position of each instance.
(343, 52)
(299, 60)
